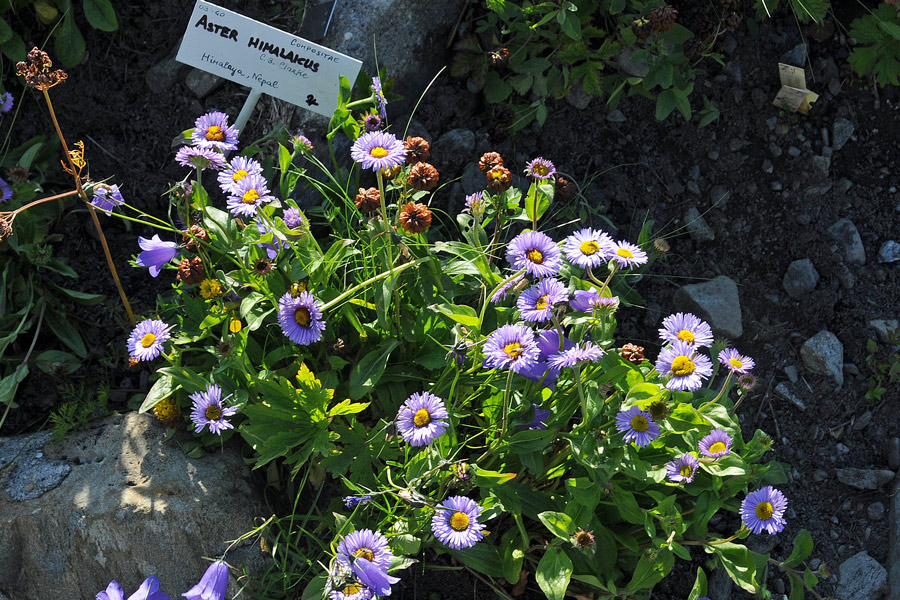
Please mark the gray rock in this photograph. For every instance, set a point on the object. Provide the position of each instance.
(875, 511)
(865, 479)
(768, 167)
(453, 150)
(821, 166)
(719, 587)
(782, 390)
(817, 190)
(31, 473)
(697, 226)
(578, 98)
(201, 83)
(794, 151)
(883, 327)
(131, 506)
(861, 578)
(800, 279)
(889, 252)
(841, 132)
(693, 188)
(893, 453)
(473, 179)
(845, 233)
(716, 301)
(410, 51)
(616, 116)
(894, 537)
(632, 66)
(820, 475)
(824, 354)
(719, 194)
(163, 76)
(796, 56)
(863, 420)
(844, 276)
(792, 373)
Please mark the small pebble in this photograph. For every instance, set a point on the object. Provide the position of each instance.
(875, 511)
(842, 449)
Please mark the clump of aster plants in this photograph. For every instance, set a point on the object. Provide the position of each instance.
(450, 385)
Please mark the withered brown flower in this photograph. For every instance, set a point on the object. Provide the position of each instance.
(423, 176)
(566, 190)
(663, 17)
(190, 237)
(498, 179)
(499, 57)
(417, 149)
(368, 200)
(489, 160)
(633, 353)
(262, 266)
(191, 270)
(36, 69)
(415, 217)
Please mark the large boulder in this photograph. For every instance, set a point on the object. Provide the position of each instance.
(115, 501)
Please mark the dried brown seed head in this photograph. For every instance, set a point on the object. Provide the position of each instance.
(489, 160)
(498, 179)
(191, 270)
(368, 200)
(417, 149)
(423, 176)
(415, 217)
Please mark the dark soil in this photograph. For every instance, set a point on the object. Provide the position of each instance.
(637, 170)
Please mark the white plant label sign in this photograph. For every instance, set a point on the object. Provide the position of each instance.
(264, 58)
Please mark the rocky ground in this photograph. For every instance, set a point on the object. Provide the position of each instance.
(783, 228)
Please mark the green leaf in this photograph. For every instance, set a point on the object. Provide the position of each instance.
(368, 371)
(741, 566)
(553, 573)
(14, 48)
(803, 547)
(513, 557)
(345, 407)
(60, 324)
(495, 89)
(571, 26)
(560, 524)
(80, 297)
(462, 314)
(100, 15)
(482, 557)
(69, 45)
(162, 388)
(649, 572)
(10, 383)
(616, 6)
(665, 104)
(699, 589)
(57, 362)
(6, 31)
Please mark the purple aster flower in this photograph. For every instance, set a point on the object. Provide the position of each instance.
(212, 585)
(372, 122)
(107, 197)
(536, 253)
(6, 103)
(212, 131)
(586, 352)
(248, 195)
(736, 362)
(373, 576)
(292, 218)
(421, 419)
(717, 443)
(536, 303)
(475, 204)
(688, 368)
(589, 248)
(540, 168)
(627, 255)
(687, 328)
(352, 502)
(500, 294)
(682, 469)
(344, 585)
(511, 347)
(540, 419)
(302, 143)
(548, 344)
(588, 300)
(637, 425)
(5, 191)
(764, 510)
(455, 523)
(146, 340)
(199, 158)
(301, 318)
(149, 590)
(379, 97)
(208, 409)
(367, 544)
(377, 150)
(238, 168)
(156, 253)
(272, 248)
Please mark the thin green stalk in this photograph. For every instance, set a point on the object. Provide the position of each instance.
(720, 394)
(331, 304)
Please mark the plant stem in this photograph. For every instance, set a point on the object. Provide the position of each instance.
(332, 303)
(721, 392)
(387, 232)
(80, 191)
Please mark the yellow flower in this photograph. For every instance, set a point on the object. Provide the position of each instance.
(234, 325)
(210, 288)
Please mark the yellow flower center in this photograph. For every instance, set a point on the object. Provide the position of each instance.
(540, 169)
(625, 253)
(378, 152)
(685, 470)
(682, 366)
(589, 247)
(215, 134)
(353, 588)
(148, 340)
(496, 174)
(302, 316)
(365, 553)
(686, 336)
(535, 256)
(210, 288)
(717, 447)
(736, 363)
(640, 424)
(213, 412)
(764, 510)
(238, 175)
(422, 418)
(542, 303)
(250, 197)
(166, 409)
(459, 521)
(513, 350)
